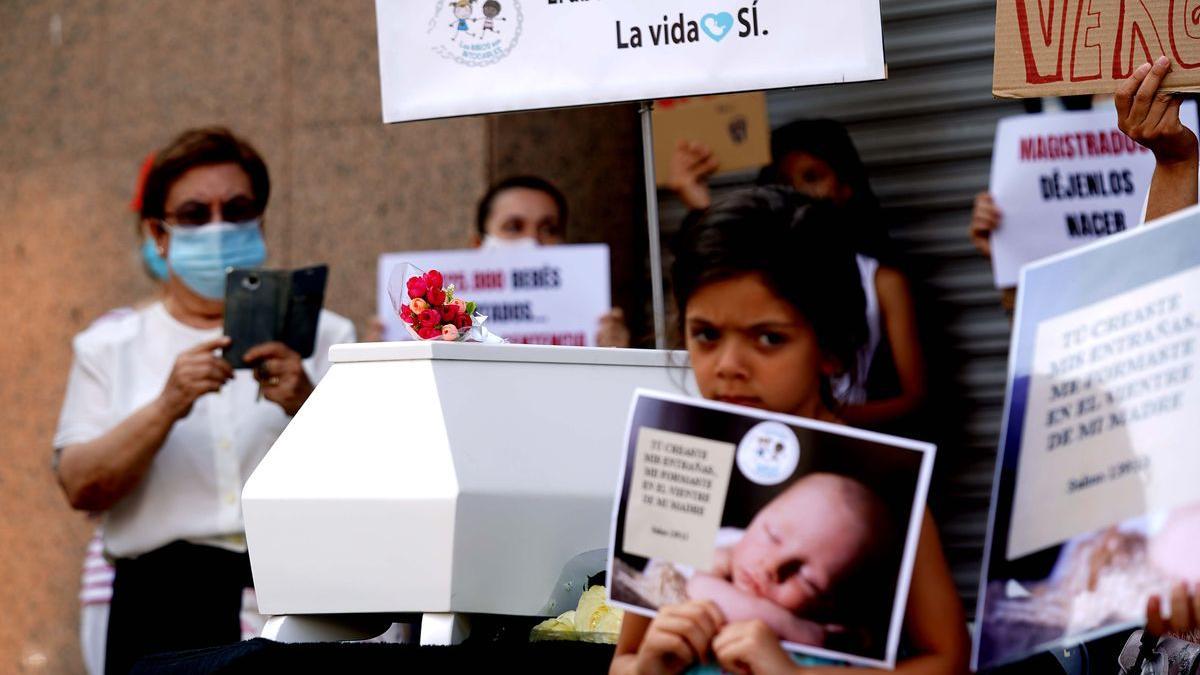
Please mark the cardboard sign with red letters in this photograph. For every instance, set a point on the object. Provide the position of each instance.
(1067, 47)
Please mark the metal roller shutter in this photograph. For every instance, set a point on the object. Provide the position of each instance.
(926, 137)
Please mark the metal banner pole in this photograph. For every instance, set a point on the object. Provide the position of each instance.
(656, 273)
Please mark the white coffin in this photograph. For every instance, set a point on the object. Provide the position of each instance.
(444, 477)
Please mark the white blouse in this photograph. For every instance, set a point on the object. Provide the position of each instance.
(192, 491)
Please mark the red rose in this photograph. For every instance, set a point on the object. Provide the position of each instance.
(463, 321)
(417, 287)
(436, 296)
(406, 314)
(449, 313)
(433, 279)
(429, 332)
(430, 317)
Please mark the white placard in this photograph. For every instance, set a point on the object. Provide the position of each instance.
(1065, 179)
(1112, 395)
(446, 58)
(552, 295)
(1094, 505)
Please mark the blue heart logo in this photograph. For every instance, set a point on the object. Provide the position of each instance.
(717, 25)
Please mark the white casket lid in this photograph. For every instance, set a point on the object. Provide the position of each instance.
(444, 477)
(510, 353)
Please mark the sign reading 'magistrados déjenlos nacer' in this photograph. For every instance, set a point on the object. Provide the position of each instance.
(444, 58)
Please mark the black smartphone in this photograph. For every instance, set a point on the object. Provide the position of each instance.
(304, 304)
(272, 305)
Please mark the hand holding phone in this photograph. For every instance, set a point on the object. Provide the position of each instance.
(264, 306)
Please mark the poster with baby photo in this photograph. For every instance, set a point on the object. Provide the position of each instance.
(809, 526)
(1095, 508)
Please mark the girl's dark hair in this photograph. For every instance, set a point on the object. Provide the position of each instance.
(202, 147)
(829, 141)
(484, 211)
(798, 247)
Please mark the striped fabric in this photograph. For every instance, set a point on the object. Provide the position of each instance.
(96, 586)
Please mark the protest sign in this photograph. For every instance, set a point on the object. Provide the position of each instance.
(551, 295)
(445, 58)
(1063, 180)
(810, 527)
(1095, 506)
(1064, 47)
(735, 127)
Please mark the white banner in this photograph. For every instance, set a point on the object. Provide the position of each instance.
(445, 58)
(1065, 179)
(552, 295)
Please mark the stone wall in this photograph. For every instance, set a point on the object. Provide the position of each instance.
(91, 86)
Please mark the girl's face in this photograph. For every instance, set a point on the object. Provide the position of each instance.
(812, 176)
(749, 346)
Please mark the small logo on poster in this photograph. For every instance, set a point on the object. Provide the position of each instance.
(769, 454)
(475, 32)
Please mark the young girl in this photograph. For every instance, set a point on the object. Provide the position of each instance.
(818, 159)
(772, 311)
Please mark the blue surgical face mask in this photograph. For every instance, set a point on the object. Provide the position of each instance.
(200, 256)
(153, 261)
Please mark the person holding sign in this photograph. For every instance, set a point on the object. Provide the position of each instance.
(1058, 182)
(525, 211)
(1150, 116)
(158, 431)
(1143, 555)
(757, 336)
(818, 159)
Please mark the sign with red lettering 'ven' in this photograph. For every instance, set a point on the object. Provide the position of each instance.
(1065, 47)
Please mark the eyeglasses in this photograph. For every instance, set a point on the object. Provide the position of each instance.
(195, 214)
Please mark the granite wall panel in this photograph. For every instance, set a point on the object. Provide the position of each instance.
(594, 155)
(91, 86)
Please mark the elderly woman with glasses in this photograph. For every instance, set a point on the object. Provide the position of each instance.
(158, 432)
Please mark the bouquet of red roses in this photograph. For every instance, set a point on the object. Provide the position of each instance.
(432, 311)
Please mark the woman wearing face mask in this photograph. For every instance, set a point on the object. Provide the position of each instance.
(759, 334)
(158, 432)
(818, 159)
(526, 212)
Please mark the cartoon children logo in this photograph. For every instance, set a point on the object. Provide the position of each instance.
(475, 32)
(769, 453)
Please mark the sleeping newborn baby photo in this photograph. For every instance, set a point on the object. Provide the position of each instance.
(797, 555)
(809, 528)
